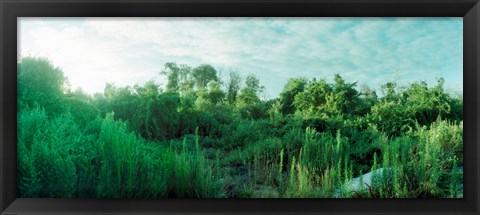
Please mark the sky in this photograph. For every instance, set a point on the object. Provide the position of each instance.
(370, 51)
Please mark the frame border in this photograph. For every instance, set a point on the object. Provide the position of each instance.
(10, 10)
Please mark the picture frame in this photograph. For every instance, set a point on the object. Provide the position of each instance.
(10, 10)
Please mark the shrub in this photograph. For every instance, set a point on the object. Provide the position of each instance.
(46, 157)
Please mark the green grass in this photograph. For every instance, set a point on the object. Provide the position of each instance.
(145, 141)
(57, 158)
(60, 161)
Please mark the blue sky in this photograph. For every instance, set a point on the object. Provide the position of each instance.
(372, 51)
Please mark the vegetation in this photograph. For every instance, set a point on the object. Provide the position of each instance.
(204, 137)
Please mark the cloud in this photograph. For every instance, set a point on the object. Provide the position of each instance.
(368, 50)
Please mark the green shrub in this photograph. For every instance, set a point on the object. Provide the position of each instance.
(46, 157)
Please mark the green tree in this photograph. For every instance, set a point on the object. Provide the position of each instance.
(345, 98)
(426, 104)
(80, 94)
(248, 103)
(368, 99)
(389, 91)
(215, 93)
(101, 103)
(81, 110)
(172, 71)
(400, 109)
(392, 118)
(204, 74)
(40, 84)
(314, 99)
(156, 114)
(456, 104)
(179, 78)
(187, 83)
(233, 87)
(253, 83)
(249, 94)
(121, 100)
(293, 87)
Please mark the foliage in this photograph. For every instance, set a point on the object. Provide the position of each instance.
(198, 137)
(204, 74)
(39, 84)
(293, 87)
(233, 87)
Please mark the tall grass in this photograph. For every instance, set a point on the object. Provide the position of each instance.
(46, 167)
(420, 164)
(322, 166)
(105, 159)
(58, 159)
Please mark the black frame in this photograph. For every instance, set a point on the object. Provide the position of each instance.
(11, 9)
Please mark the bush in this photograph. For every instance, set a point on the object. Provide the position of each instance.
(253, 111)
(46, 162)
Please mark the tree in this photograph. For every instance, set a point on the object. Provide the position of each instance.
(233, 87)
(249, 94)
(248, 102)
(80, 94)
(392, 118)
(215, 93)
(313, 100)
(253, 111)
(82, 111)
(293, 87)
(172, 71)
(345, 98)
(456, 104)
(399, 110)
(156, 115)
(40, 84)
(101, 102)
(326, 100)
(389, 92)
(253, 83)
(121, 100)
(426, 104)
(187, 83)
(204, 74)
(178, 78)
(368, 99)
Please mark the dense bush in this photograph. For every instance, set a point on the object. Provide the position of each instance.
(200, 138)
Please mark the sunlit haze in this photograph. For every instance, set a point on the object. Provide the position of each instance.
(372, 51)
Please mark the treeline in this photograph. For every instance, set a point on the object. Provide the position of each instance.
(228, 142)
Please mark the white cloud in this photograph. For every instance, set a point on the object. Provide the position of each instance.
(130, 50)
